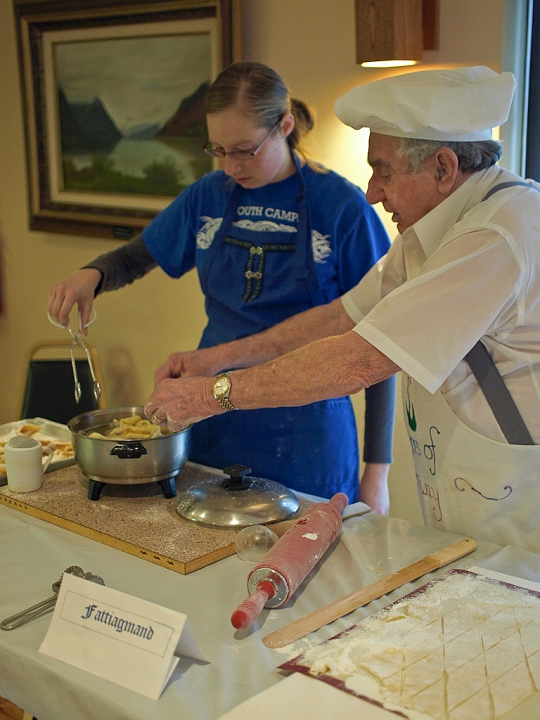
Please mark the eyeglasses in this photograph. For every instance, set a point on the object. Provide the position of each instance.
(218, 152)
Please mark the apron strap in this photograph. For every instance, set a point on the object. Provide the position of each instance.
(498, 396)
(489, 378)
(304, 262)
(504, 185)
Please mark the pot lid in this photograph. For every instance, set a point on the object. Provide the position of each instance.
(237, 500)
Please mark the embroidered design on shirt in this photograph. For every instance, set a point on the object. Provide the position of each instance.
(508, 488)
(321, 246)
(264, 226)
(208, 231)
(254, 272)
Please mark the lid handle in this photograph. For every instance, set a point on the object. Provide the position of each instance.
(238, 478)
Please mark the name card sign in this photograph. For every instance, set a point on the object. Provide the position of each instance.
(118, 637)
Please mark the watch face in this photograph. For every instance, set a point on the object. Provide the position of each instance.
(221, 385)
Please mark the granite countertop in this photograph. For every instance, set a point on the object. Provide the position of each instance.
(134, 518)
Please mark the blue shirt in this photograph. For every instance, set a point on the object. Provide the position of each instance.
(347, 238)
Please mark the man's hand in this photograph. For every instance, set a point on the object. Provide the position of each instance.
(178, 403)
(192, 363)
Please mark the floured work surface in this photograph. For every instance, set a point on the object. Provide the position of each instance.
(463, 647)
(137, 519)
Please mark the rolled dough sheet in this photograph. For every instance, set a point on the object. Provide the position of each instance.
(465, 646)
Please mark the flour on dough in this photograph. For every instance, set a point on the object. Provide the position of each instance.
(464, 647)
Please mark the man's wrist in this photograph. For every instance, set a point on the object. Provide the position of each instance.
(221, 388)
(214, 407)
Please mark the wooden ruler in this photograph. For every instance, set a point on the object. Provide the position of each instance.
(336, 609)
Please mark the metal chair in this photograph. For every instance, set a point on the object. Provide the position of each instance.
(50, 386)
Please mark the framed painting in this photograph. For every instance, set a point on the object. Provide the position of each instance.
(113, 99)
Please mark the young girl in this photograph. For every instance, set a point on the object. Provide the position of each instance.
(271, 234)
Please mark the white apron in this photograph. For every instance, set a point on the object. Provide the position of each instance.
(468, 484)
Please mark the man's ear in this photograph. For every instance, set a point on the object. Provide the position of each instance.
(446, 169)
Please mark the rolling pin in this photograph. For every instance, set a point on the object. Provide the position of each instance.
(272, 581)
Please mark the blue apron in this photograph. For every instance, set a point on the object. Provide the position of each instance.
(252, 281)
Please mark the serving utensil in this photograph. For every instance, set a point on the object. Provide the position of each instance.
(336, 609)
(79, 342)
(45, 606)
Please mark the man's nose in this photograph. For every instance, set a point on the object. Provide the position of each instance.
(374, 192)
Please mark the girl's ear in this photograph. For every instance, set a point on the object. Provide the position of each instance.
(287, 124)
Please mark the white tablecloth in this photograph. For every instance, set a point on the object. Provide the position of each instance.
(33, 555)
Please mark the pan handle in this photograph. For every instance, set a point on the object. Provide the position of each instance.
(129, 450)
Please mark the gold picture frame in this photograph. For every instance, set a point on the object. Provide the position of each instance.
(112, 97)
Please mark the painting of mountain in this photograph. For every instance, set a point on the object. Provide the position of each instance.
(86, 127)
(189, 118)
(131, 113)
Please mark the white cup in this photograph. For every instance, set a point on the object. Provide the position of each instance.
(24, 463)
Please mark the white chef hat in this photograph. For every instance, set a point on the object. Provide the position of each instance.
(460, 105)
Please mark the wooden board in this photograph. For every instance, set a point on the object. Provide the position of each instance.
(136, 519)
(336, 609)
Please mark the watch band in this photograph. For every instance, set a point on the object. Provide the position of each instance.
(225, 403)
(223, 400)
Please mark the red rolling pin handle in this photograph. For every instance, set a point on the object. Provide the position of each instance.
(251, 608)
(292, 558)
(339, 501)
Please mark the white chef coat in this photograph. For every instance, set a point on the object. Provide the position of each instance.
(467, 270)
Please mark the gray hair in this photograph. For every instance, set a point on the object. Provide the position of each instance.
(472, 156)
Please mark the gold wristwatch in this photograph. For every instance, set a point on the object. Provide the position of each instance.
(221, 389)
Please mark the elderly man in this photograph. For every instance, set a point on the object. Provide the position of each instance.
(465, 268)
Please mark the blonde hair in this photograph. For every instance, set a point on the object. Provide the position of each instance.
(262, 93)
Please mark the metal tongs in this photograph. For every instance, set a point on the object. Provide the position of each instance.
(78, 341)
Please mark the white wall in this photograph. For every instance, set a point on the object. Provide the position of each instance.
(311, 43)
